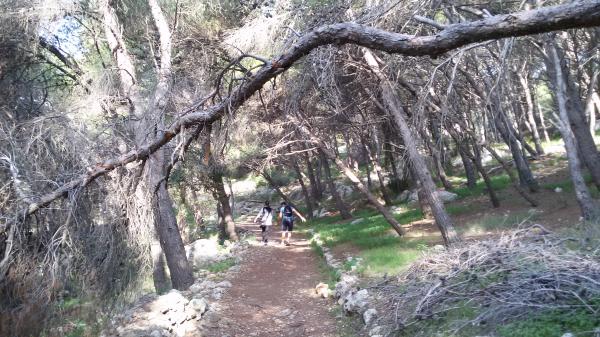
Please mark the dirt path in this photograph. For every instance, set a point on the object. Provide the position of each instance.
(273, 294)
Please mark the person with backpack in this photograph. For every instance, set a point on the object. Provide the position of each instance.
(265, 216)
(286, 214)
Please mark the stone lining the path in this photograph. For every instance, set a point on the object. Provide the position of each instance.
(178, 313)
(350, 297)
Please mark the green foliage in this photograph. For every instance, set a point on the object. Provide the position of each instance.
(554, 323)
(381, 250)
(332, 275)
(220, 266)
(499, 182)
(567, 185)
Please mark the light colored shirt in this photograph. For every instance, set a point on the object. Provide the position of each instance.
(266, 218)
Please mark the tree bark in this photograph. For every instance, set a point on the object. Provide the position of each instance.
(307, 198)
(588, 153)
(145, 121)
(468, 166)
(419, 168)
(530, 114)
(339, 202)
(589, 210)
(508, 134)
(219, 193)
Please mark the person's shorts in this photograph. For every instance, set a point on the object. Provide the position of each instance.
(287, 224)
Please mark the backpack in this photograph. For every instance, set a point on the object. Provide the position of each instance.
(287, 211)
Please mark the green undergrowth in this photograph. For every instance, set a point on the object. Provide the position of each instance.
(567, 186)
(332, 275)
(382, 251)
(499, 182)
(220, 266)
(498, 222)
(555, 323)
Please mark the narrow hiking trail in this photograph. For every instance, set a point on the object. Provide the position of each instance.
(273, 294)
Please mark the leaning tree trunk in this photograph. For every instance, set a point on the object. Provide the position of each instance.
(358, 184)
(588, 152)
(385, 194)
(508, 135)
(339, 202)
(588, 208)
(146, 119)
(391, 101)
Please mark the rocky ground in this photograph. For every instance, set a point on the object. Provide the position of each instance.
(270, 292)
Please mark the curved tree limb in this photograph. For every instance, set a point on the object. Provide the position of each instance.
(578, 14)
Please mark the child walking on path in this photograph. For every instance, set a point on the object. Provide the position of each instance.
(265, 216)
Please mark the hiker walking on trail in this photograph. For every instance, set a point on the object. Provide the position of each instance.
(286, 214)
(265, 216)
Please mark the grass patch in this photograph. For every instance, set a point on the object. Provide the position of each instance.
(220, 266)
(554, 323)
(498, 222)
(331, 275)
(567, 186)
(381, 251)
(499, 182)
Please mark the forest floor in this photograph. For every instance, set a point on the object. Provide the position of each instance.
(274, 292)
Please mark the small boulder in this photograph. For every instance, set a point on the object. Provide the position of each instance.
(344, 285)
(217, 293)
(323, 290)
(171, 301)
(376, 330)
(558, 190)
(357, 221)
(199, 304)
(356, 302)
(224, 284)
(446, 196)
(369, 316)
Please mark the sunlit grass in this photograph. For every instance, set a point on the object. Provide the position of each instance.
(489, 223)
(382, 252)
(499, 182)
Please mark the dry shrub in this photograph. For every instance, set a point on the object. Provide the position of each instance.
(495, 281)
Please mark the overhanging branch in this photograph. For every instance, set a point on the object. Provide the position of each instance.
(578, 14)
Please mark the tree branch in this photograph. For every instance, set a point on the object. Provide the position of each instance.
(578, 14)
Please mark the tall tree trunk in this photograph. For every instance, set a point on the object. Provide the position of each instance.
(588, 153)
(314, 185)
(540, 115)
(508, 134)
(530, 114)
(171, 242)
(392, 102)
(307, 198)
(337, 199)
(384, 191)
(219, 193)
(149, 121)
(470, 172)
(589, 209)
